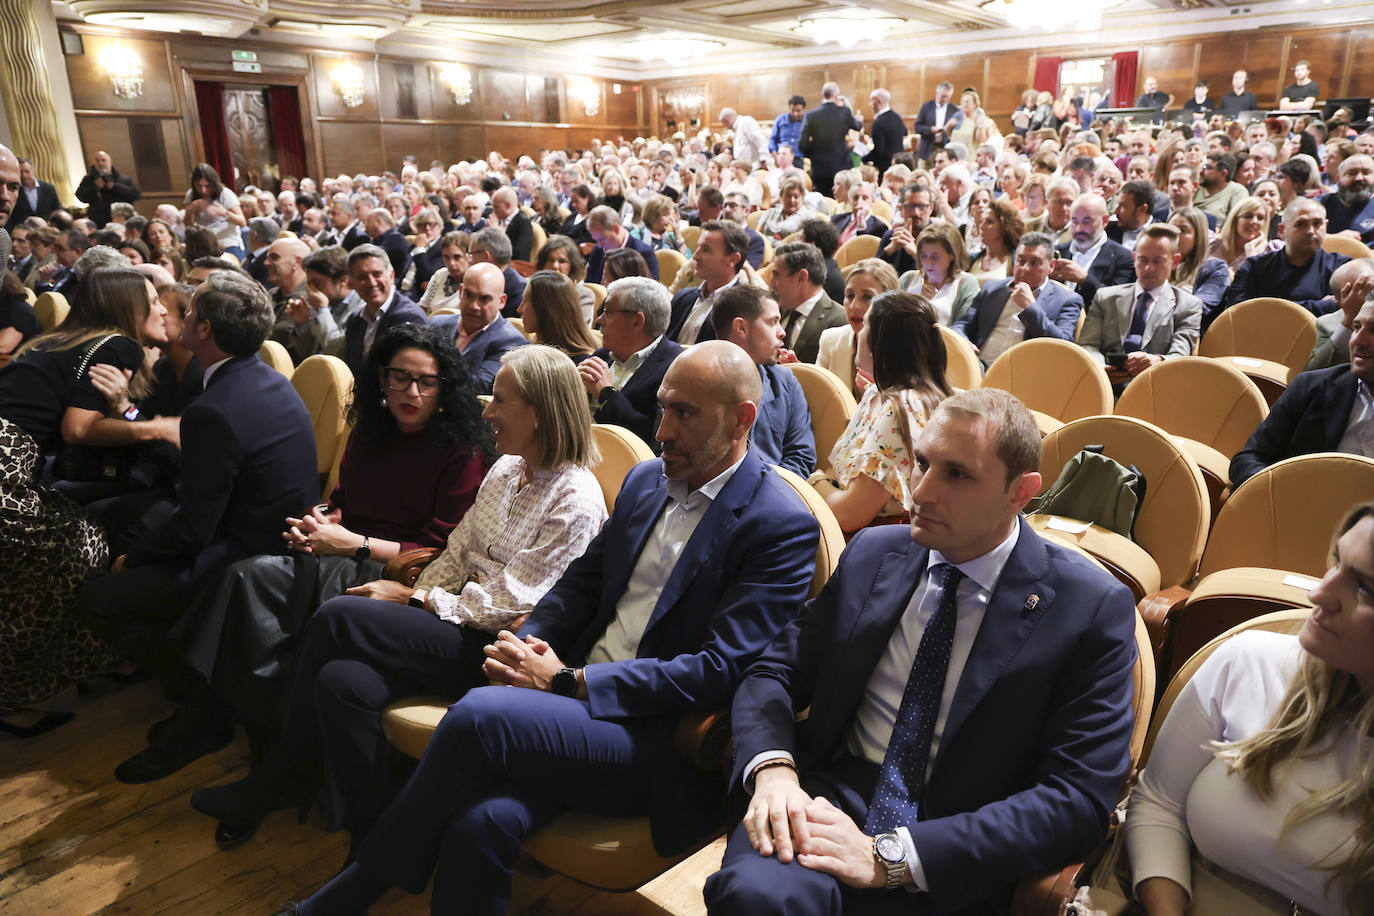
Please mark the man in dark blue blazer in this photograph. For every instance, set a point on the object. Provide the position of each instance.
(888, 132)
(722, 250)
(969, 695)
(823, 136)
(606, 230)
(706, 556)
(1043, 308)
(1300, 271)
(933, 118)
(623, 377)
(481, 333)
(247, 463)
(1314, 413)
(1111, 265)
(372, 278)
(382, 232)
(36, 198)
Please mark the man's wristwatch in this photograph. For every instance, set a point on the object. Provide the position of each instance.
(890, 853)
(564, 683)
(364, 551)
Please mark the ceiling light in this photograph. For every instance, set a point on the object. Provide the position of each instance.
(459, 82)
(1051, 15)
(124, 69)
(349, 83)
(675, 51)
(846, 32)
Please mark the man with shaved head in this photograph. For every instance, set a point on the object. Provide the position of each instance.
(479, 330)
(9, 195)
(1090, 261)
(103, 186)
(284, 262)
(706, 556)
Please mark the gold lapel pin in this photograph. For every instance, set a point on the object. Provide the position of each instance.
(1031, 602)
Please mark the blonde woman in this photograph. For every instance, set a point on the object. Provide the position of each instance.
(1197, 273)
(839, 346)
(1259, 794)
(1244, 234)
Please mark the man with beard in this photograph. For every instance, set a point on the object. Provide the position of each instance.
(1090, 261)
(1300, 271)
(1349, 210)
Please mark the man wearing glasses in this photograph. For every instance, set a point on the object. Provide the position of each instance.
(479, 331)
(898, 245)
(736, 209)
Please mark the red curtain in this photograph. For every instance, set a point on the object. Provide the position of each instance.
(284, 119)
(214, 134)
(1124, 65)
(1047, 75)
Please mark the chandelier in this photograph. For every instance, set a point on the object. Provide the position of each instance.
(349, 83)
(675, 51)
(846, 32)
(124, 69)
(586, 92)
(458, 81)
(1051, 15)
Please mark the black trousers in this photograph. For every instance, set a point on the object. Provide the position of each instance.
(134, 611)
(356, 656)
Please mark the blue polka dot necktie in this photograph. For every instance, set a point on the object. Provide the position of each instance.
(901, 781)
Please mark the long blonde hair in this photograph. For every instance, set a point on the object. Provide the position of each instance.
(1320, 701)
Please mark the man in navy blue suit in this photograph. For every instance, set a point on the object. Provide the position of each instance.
(706, 556)
(823, 137)
(247, 462)
(604, 225)
(479, 330)
(934, 120)
(969, 687)
(1027, 305)
(384, 306)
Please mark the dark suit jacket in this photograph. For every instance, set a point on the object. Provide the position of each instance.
(756, 248)
(888, 132)
(741, 576)
(355, 236)
(596, 261)
(823, 140)
(426, 263)
(1053, 314)
(47, 202)
(484, 352)
(402, 311)
(515, 291)
(521, 235)
(1112, 267)
(1036, 742)
(256, 267)
(684, 300)
(635, 406)
(1310, 416)
(826, 313)
(900, 260)
(98, 200)
(62, 282)
(247, 462)
(925, 125)
(397, 250)
(873, 226)
(1272, 274)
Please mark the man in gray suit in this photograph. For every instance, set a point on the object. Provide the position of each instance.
(798, 285)
(1135, 325)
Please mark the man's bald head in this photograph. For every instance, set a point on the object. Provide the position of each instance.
(1351, 271)
(724, 366)
(285, 259)
(9, 183)
(482, 296)
(709, 399)
(1086, 219)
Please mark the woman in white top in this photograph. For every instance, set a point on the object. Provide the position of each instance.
(1001, 232)
(839, 346)
(445, 287)
(537, 510)
(210, 205)
(790, 212)
(943, 278)
(1259, 793)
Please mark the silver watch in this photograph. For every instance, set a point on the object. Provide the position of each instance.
(890, 853)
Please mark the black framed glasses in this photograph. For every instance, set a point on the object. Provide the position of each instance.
(401, 380)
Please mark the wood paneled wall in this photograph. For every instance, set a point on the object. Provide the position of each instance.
(406, 109)
(1001, 77)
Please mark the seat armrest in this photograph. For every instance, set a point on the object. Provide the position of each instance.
(1157, 608)
(405, 567)
(704, 740)
(1044, 895)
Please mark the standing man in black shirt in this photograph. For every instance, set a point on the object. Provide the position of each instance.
(1152, 97)
(1239, 98)
(1302, 95)
(1199, 104)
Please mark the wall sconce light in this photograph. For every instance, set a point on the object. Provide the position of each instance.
(124, 69)
(349, 83)
(458, 81)
(588, 93)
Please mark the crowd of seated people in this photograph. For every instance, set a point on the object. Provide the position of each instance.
(162, 503)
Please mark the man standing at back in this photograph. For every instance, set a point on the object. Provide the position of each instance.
(935, 117)
(788, 126)
(969, 686)
(750, 143)
(888, 131)
(823, 138)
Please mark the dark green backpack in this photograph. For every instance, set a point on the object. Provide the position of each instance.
(1094, 488)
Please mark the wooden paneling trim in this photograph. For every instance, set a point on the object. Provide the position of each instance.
(108, 113)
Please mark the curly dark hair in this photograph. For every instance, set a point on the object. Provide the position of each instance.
(459, 416)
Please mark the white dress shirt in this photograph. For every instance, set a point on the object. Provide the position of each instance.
(371, 334)
(1359, 433)
(674, 529)
(701, 312)
(1009, 331)
(211, 370)
(1084, 258)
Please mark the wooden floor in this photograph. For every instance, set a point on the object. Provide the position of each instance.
(74, 841)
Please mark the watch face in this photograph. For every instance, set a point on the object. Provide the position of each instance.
(890, 848)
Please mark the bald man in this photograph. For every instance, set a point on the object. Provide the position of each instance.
(104, 185)
(1090, 261)
(706, 556)
(9, 195)
(286, 274)
(506, 215)
(479, 330)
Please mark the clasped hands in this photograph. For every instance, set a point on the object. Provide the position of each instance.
(514, 662)
(595, 375)
(320, 533)
(783, 819)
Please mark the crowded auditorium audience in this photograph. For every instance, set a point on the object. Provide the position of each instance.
(790, 334)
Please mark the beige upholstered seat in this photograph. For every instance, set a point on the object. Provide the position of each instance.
(598, 293)
(276, 356)
(691, 236)
(620, 450)
(1056, 379)
(1352, 248)
(883, 210)
(856, 249)
(445, 311)
(519, 325)
(669, 263)
(753, 219)
(51, 309)
(831, 404)
(326, 386)
(1269, 340)
(767, 252)
(29, 295)
(540, 239)
(1209, 407)
(1171, 524)
(962, 368)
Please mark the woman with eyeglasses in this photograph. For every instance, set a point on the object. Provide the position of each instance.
(410, 472)
(537, 510)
